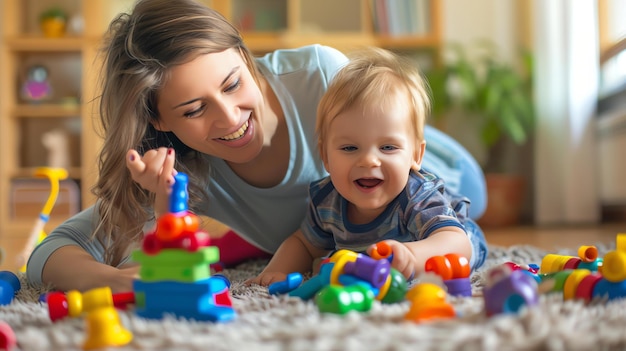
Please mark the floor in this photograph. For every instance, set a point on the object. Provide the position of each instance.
(551, 237)
(547, 238)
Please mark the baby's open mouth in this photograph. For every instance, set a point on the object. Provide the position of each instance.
(368, 182)
(236, 135)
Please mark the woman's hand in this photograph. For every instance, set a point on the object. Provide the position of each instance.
(154, 172)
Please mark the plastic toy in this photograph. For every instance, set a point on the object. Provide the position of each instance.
(290, 283)
(454, 269)
(382, 250)
(608, 281)
(587, 259)
(104, 329)
(204, 300)
(37, 233)
(75, 304)
(98, 306)
(8, 341)
(428, 302)
(344, 278)
(175, 274)
(9, 286)
(509, 291)
(341, 300)
(179, 227)
(530, 269)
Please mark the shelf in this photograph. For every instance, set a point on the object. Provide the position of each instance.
(407, 41)
(30, 43)
(45, 111)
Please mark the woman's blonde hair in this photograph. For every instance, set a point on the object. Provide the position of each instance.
(140, 48)
(373, 77)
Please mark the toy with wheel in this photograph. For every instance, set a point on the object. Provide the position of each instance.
(37, 233)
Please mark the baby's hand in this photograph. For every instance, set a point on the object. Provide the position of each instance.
(266, 278)
(403, 259)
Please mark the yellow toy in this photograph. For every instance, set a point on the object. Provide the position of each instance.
(37, 233)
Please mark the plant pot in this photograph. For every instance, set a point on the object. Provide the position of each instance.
(53, 27)
(505, 199)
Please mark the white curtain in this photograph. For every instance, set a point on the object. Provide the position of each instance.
(566, 89)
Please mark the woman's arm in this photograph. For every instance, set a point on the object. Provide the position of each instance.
(71, 267)
(68, 258)
(295, 254)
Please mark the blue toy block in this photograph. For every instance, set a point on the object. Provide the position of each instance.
(179, 195)
(610, 290)
(308, 289)
(188, 300)
(217, 314)
(292, 281)
(9, 286)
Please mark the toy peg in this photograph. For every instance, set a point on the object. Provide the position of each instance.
(382, 250)
(459, 264)
(572, 282)
(290, 283)
(369, 269)
(340, 258)
(8, 341)
(587, 253)
(179, 198)
(311, 287)
(620, 242)
(509, 291)
(428, 301)
(440, 266)
(37, 233)
(343, 299)
(104, 328)
(172, 225)
(614, 266)
(9, 286)
(394, 290)
(75, 304)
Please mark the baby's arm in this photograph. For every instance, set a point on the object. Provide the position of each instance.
(296, 254)
(409, 258)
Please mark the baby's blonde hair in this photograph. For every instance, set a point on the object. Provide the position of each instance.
(374, 76)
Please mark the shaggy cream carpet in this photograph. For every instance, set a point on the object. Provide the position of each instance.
(267, 322)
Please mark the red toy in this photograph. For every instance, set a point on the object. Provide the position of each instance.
(74, 304)
(7, 337)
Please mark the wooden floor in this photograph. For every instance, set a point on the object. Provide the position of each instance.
(551, 237)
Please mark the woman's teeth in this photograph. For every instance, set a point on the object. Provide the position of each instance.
(237, 134)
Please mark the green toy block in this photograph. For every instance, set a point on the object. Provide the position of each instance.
(168, 257)
(180, 273)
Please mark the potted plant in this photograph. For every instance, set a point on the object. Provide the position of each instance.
(53, 22)
(486, 103)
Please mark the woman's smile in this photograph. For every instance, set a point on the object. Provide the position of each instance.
(237, 134)
(240, 137)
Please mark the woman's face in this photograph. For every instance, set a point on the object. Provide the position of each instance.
(213, 105)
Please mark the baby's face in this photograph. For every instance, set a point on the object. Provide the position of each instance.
(369, 154)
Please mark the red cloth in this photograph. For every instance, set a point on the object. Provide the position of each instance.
(234, 249)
